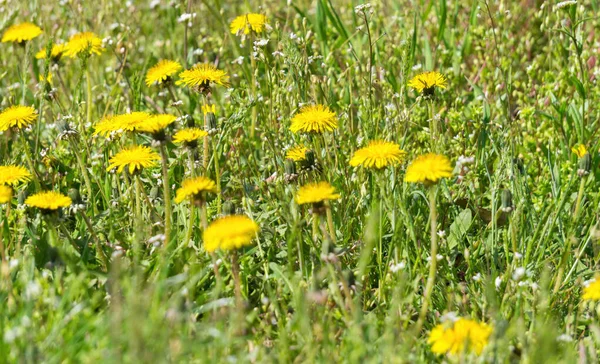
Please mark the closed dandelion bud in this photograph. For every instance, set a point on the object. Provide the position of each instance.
(507, 201)
(228, 208)
(154, 192)
(290, 171)
(21, 197)
(211, 123)
(75, 195)
(585, 164)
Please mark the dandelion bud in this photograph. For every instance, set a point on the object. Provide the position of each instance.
(75, 195)
(585, 164)
(507, 201)
(228, 208)
(211, 121)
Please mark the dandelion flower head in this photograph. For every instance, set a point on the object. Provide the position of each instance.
(230, 233)
(6, 194)
(20, 33)
(579, 150)
(314, 193)
(427, 82)
(428, 169)
(591, 292)
(156, 123)
(193, 187)
(162, 72)
(135, 158)
(456, 337)
(13, 175)
(55, 53)
(314, 119)
(244, 24)
(17, 116)
(378, 154)
(297, 153)
(188, 136)
(121, 123)
(202, 76)
(48, 200)
(86, 43)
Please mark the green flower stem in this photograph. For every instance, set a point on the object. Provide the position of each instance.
(99, 250)
(29, 160)
(137, 247)
(88, 78)
(235, 271)
(166, 192)
(329, 215)
(315, 227)
(433, 262)
(86, 177)
(217, 177)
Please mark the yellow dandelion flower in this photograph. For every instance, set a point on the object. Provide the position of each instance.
(189, 136)
(55, 53)
(193, 187)
(156, 123)
(13, 175)
(46, 79)
(579, 150)
(458, 337)
(121, 123)
(428, 168)
(248, 23)
(591, 292)
(17, 116)
(20, 33)
(230, 233)
(297, 153)
(378, 154)
(85, 43)
(6, 194)
(202, 76)
(314, 119)
(315, 193)
(48, 200)
(136, 158)
(426, 82)
(162, 72)
(206, 109)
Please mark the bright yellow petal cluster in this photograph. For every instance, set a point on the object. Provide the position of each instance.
(121, 123)
(459, 337)
(202, 75)
(428, 168)
(195, 186)
(229, 233)
(297, 153)
(47, 79)
(55, 53)
(86, 43)
(247, 23)
(209, 109)
(156, 123)
(19, 33)
(162, 71)
(17, 116)
(378, 154)
(188, 135)
(136, 158)
(13, 175)
(316, 193)
(579, 150)
(48, 200)
(592, 291)
(427, 82)
(314, 119)
(6, 194)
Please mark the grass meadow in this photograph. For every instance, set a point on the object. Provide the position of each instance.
(301, 181)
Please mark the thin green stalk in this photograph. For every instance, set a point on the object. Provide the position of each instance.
(88, 78)
(99, 250)
(166, 192)
(433, 262)
(330, 224)
(137, 247)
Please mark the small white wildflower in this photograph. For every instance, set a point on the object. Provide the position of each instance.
(498, 282)
(564, 4)
(186, 17)
(449, 317)
(238, 60)
(518, 255)
(518, 274)
(261, 42)
(441, 234)
(477, 277)
(397, 267)
(565, 338)
(362, 7)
